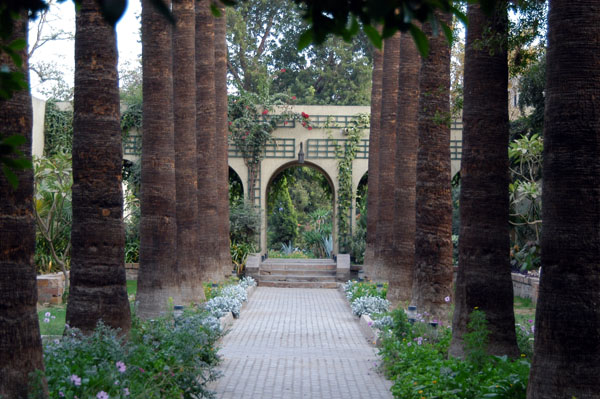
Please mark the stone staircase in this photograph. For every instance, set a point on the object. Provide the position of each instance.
(298, 273)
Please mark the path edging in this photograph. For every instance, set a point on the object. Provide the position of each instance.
(370, 333)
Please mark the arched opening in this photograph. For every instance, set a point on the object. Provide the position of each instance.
(244, 219)
(300, 213)
(236, 187)
(359, 236)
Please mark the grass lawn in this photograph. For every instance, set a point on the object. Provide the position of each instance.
(524, 310)
(56, 319)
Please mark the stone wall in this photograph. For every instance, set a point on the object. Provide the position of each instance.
(50, 288)
(525, 286)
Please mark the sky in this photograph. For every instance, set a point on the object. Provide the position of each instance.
(61, 52)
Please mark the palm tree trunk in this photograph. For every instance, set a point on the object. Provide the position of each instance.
(484, 278)
(20, 343)
(433, 234)
(567, 325)
(384, 251)
(407, 134)
(157, 279)
(186, 175)
(372, 196)
(98, 284)
(221, 137)
(206, 132)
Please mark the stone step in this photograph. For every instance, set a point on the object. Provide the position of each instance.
(298, 284)
(303, 278)
(297, 266)
(298, 272)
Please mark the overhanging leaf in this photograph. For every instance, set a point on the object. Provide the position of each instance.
(305, 40)
(420, 40)
(373, 36)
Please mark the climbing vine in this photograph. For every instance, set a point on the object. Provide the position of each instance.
(345, 156)
(58, 130)
(252, 119)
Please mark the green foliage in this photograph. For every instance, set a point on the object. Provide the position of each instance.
(163, 358)
(296, 254)
(358, 242)
(525, 197)
(239, 254)
(532, 85)
(12, 159)
(264, 57)
(53, 178)
(58, 130)
(415, 357)
(283, 220)
(244, 223)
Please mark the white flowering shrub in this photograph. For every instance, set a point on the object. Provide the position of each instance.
(235, 291)
(221, 305)
(247, 282)
(369, 305)
(349, 287)
(383, 323)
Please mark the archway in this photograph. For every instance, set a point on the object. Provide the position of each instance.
(359, 228)
(236, 186)
(300, 212)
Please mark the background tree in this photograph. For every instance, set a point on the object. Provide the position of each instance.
(189, 276)
(158, 228)
(484, 279)
(433, 221)
(567, 324)
(98, 284)
(264, 57)
(407, 137)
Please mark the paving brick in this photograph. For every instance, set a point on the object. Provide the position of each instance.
(298, 343)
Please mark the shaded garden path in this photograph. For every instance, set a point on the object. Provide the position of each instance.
(298, 343)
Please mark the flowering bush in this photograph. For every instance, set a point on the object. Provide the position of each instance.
(369, 305)
(355, 290)
(415, 357)
(247, 282)
(219, 306)
(235, 291)
(163, 358)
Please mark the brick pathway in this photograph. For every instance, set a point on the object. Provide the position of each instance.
(298, 343)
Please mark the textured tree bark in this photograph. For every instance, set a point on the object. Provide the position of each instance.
(157, 279)
(98, 284)
(221, 138)
(206, 132)
(384, 249)
(567, 325)
(20, 342)
(407, 134)
(433, 234)
(484, 278)
(372, 196)
(189, 276)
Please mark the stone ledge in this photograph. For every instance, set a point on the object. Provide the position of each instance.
(370, 332)
(342, 271)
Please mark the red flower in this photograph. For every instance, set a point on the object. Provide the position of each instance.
(266, 111)
(309, 128)
(293, 97)
(284, 123)
(303, 123)
(230, 123)
(282, 70)
(305, 115)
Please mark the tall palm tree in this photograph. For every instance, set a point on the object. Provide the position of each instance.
(372, 197)
(20, 343)
(484, 278)
(206, 132)
(222, 182)
(157, 280)
(407, 134)
(98, 285)
(189, 275)
(567, 324)
(384, 250)
(433, 234)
